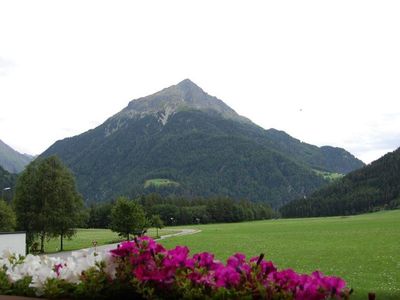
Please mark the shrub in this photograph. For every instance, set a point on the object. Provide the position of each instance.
(144, 269)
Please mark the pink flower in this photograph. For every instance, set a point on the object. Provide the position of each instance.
(57, 268)
(124, 249)
(226, 277)
(149, 262)
(266, 266)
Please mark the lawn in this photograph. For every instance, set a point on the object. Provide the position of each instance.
(363, 249)
(160, 182)
(329, 175)
(85, 237)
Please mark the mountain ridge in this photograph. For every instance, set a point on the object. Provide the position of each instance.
(11, 160)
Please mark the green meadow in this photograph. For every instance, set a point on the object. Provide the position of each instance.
(160, 182)
(363, 249)
(85, 237)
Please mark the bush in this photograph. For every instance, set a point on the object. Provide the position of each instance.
(144, 269)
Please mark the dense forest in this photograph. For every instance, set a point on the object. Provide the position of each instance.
(376, 186)
(206, 155)
(183, 211)
(7, 183)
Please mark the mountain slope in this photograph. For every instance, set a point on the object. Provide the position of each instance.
(326, 158)
(7, 181)
(11, 160)
(195, 140)
(374, 186)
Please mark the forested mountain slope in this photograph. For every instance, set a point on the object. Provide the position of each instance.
(373, 187)
(11, 160)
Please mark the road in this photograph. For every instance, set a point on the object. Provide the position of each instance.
(104, 248)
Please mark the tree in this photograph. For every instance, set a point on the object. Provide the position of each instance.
(127, 217)
(99, 215)
(157, 223)
(67, 204)
(46, 201)
(7, 217)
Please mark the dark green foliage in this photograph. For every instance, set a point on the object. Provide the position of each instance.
(127, 217)
(7, 180)
(7, 217)
(18, 288)
(326, 158)
(183, 211)
(46, 201)
(373, 187)
(55, 288)
(157, 223)
(5, 284)
(99, 215)
(206, 155)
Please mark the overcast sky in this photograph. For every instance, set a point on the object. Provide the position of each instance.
(326, 72)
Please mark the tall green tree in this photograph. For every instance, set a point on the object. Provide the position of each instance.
(127, 217)
(46, 201)
(157, 222)
(7, 217)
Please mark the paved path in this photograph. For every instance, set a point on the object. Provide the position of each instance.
(65, 254)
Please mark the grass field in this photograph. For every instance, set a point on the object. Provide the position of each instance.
(364, 249)
(84, 238)
(159, 182)
(329, 175)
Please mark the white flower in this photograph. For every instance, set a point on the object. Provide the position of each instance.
(6, 254)
(42, 268)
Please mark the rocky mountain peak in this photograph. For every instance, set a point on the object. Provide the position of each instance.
(185, 95)
(187, 85)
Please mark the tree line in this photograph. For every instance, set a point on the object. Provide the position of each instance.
(184, 211)
(46, 205)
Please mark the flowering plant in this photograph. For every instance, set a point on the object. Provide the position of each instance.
(147, 270)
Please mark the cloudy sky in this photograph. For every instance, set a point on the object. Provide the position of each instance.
(326, 72)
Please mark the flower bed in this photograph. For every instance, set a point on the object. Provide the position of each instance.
(144, 269)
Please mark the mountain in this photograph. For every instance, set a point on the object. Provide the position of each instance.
(183, 141)
(11, 160)
(372, 187)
